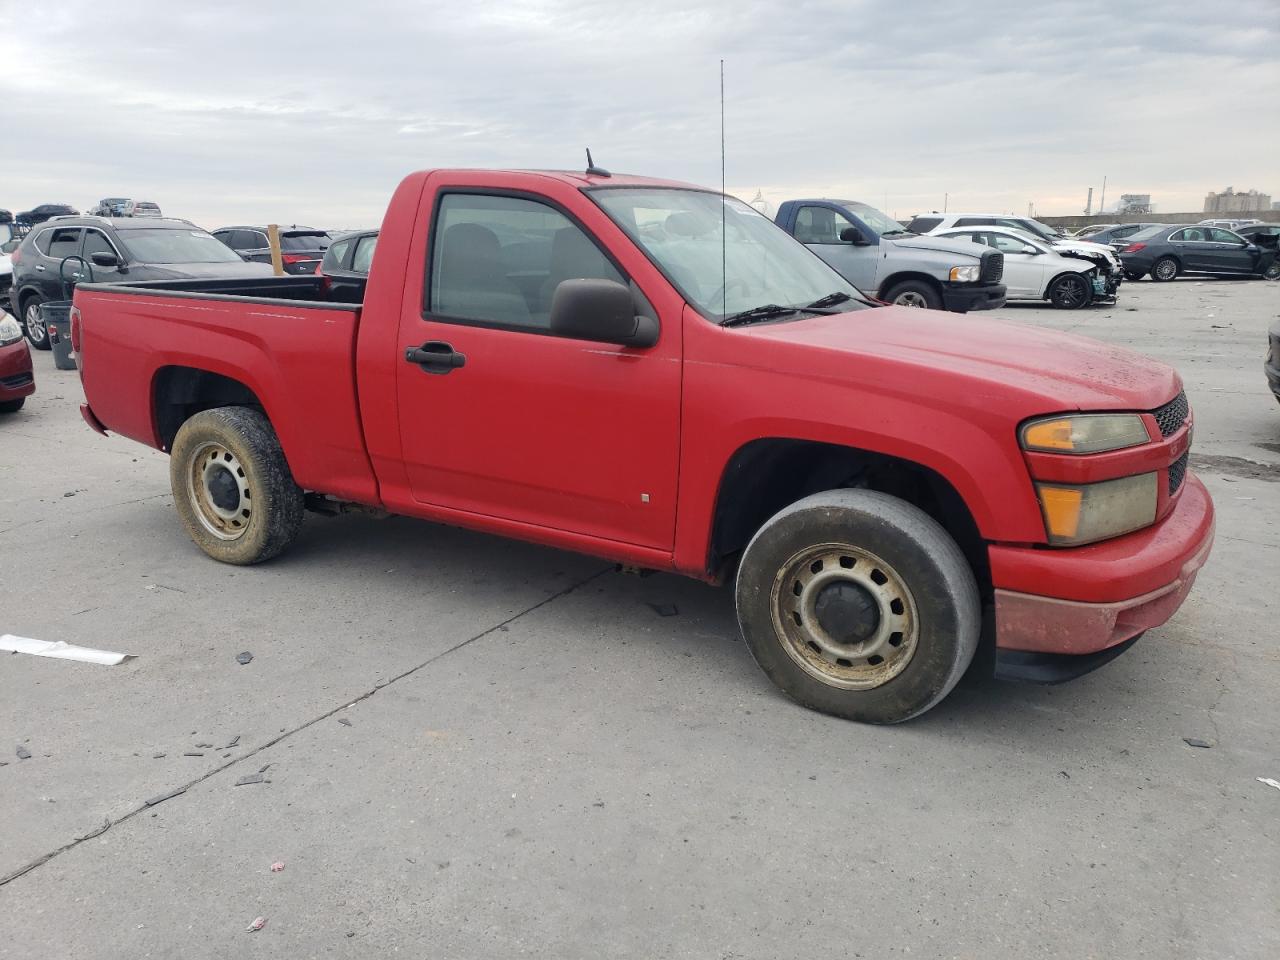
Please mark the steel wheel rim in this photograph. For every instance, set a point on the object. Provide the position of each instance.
(910, 298)
(35, 326)
(1069, 292)
(864, 665)
(218, 486)
(1166, 269)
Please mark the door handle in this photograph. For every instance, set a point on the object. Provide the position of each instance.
(40, 267)
(436, 356)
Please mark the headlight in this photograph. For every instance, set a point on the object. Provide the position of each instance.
(1085, 433)
(967, 274)
(1084, 513)
(10, 331)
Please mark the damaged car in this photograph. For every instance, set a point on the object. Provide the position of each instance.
(1034, 270)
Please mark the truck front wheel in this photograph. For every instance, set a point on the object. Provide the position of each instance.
(232, 486)
(913, 293)
(858, 604)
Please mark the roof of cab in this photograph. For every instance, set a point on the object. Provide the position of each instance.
(582, 180)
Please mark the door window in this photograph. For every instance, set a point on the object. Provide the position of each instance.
(363, 258)
(1190, 235)
(64, 242)
(1007, 244)
(820, 225)
(972, 221)
(1218, 235)
(498, 260)
(96, 242)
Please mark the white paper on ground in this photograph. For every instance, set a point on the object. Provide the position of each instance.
(60, 650)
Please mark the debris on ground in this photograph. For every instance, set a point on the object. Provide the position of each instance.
(99, 831)
(193, 753)
(61, 650)
(1197, 742)
(344, 721)
(165, 796)
(234, 741)
(251, 778)
(277, 866)
(1269, 782)
(157, 756)
(664, 609)
(244, 658)
(23, 753)
(263, 768)
(257, 924)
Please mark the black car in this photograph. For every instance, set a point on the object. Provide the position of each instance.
(345, 266)
(1117, 234)
(134, 249)
(1169, 251)
(43, 212)
(301, 248)
(1263, 234)
(6, 216)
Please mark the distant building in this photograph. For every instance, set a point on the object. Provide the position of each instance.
(1228, 201)
(762, 205)
(1135, 203)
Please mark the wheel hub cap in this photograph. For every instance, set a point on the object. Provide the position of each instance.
(845, 616)
(219, 489)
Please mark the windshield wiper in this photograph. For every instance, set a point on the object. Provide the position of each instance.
(766, 311)
(830, 300)
(899, 233)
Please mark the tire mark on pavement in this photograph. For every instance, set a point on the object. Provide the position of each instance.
(347, 702)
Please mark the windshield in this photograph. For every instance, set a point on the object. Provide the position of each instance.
(881, 223)
(749, 264)
(1048, 232)
(176, 246)
(1144, 234)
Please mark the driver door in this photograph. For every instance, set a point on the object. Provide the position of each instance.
(1228, 252)
(818, 228)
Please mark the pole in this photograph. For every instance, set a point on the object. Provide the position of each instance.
(273, 241)
(1102, 204)
(945, 198)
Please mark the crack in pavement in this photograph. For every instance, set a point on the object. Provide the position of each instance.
(72, 514)
(347, 702)
(1237, 466)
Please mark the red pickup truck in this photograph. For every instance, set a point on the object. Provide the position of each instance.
(656, 374)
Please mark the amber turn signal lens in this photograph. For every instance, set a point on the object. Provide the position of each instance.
(1075, 515)
(1061, 507)
(1082, 433)
(1048, 435)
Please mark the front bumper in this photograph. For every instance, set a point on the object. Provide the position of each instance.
(16, 376)
(963, 297)
(1114, 590)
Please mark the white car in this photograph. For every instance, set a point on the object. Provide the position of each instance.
(936, 223)
(1034, 270)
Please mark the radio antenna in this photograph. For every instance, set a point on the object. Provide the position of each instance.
(724, 257)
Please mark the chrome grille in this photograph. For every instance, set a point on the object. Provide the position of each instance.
(1178, 473)
(1172, 415)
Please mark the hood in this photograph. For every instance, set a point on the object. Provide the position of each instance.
(1084, 246)
(940, 245)
(964, 360)
(192, 271)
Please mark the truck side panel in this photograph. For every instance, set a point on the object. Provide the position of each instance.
(298, 361)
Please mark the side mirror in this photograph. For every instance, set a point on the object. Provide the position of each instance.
(855, 236)
(601, 310)
(1251, 248)
(104, 259)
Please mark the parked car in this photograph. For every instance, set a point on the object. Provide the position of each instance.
(6, 269)
(1117, 234)
(6, 216)
(150, 249)
(108, 207)
(874, 253)
(1168, 251)
(17, 379)
(301, 248)
(1272, 364)
(1034, 270)
(1102, 254)
(659, 375)
(44, 212)
(345, 266)
(1263, 234)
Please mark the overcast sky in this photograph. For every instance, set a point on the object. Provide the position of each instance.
(311, 112)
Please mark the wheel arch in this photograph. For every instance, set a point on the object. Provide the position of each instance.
(180, 392)
(766, 475)
(902, 276)
(1065, 273)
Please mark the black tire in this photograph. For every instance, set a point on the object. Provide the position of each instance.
(12, 406)
(1071, 291)
(1165, 269)
(1272, 272)
(914, 293)
(933, 604)
(1133, 275)
(30, 311)
(232, 486)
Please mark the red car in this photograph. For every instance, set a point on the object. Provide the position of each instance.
(17, 381)
(657, 374)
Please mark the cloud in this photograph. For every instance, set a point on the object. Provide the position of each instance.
(311, 113)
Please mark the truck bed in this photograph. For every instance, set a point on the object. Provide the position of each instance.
(147, 347)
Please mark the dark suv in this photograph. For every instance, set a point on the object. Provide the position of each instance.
(346, 263)
(154, 248)
(43, 212)
(301, 248)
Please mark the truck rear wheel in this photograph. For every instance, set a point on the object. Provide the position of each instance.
(858, 604)
(232, 486)
(913, 293)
